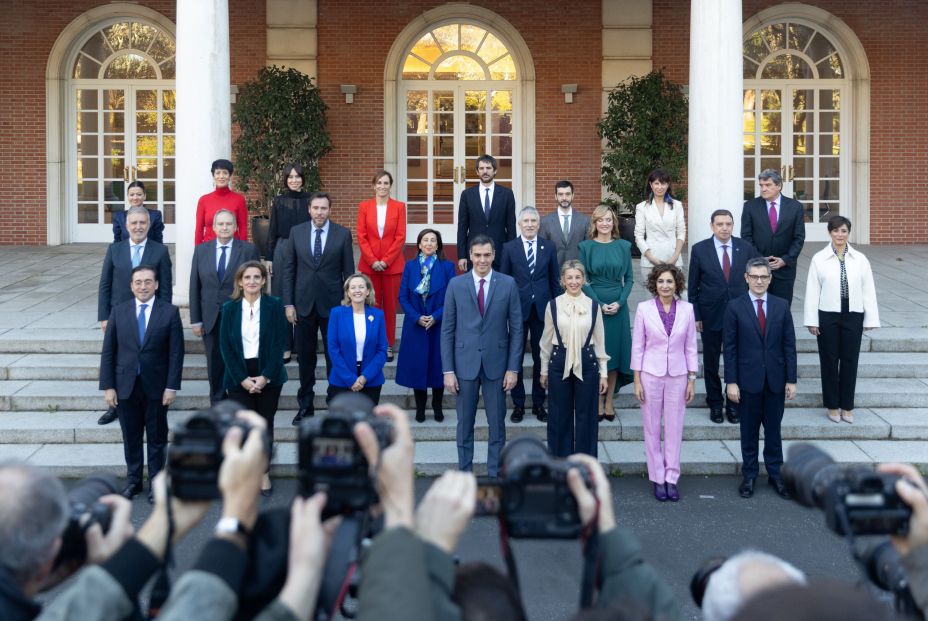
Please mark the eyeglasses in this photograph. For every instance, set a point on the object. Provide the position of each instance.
(761, 278)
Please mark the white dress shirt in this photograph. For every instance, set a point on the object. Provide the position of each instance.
(483, 195)
(560, 218)
(754, 299)
(486, 284)
(228, 246)
(718, 250)
(381, 219)
(138, 304)
(141, 249)
(823, 286)
(251, 328)
(360, 333)
(526, 242)
(312, 236)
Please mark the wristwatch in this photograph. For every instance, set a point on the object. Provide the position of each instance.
(691, 376)
(231, 526)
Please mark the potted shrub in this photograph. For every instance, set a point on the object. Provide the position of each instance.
(281, 118)
(644, 127)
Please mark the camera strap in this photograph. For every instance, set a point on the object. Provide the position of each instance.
(341, 566)
(161, 591)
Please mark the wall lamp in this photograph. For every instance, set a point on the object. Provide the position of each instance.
(568, 90)
(349, 90)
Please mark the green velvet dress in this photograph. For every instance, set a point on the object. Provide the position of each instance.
(609, 279)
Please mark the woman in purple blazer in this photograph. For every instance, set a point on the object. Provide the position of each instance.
(665, 363)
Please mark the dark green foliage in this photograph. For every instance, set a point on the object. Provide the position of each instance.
(281, 116)
(645, 127)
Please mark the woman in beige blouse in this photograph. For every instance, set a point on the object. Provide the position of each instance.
(660, 230)
(573, 350)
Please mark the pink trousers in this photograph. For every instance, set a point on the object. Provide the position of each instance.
(663, 408)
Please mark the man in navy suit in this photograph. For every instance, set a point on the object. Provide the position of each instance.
(716, 268)
(760, 372)
(140, 372)
(485, 209)
(775, 226)
(532, 263)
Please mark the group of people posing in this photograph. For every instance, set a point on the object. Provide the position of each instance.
(558, 285)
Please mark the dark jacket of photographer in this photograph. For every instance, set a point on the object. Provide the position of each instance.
(916, 570)
(14, 605)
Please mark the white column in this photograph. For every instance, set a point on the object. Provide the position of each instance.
(204, 117)
(715, 170)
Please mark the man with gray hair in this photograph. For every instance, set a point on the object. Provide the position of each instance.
(740, 578)
(775, 225)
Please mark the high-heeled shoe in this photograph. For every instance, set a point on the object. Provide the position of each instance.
(420, 416)
(660, 492)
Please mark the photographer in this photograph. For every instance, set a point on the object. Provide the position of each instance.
(914, 548)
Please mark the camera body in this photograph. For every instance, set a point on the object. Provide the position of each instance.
(195, 454)
(330, 459)
(85, 511)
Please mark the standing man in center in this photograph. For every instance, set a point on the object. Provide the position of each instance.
(485, 209)
(532, 262)
(481, 346)
(319, 260)
(566, 227)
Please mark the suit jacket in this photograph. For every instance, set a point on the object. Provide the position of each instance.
(117, 274)
(786, 243)
(501, 226)
(207, 294)
(158, 360)
(272, 341)
(343, 347)
(658, 233)
(469, 341)
(568, 248)
(751, 357)
(308, 287)
(660, 354)
(388, 248)
(534, 288)
(708, 291)
(155, 231)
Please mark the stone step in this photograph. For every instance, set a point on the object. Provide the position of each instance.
(48, 395)
(48, 366)
(698, 457)
(81, 427)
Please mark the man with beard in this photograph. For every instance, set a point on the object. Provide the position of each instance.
(565, 227)
(485, 209)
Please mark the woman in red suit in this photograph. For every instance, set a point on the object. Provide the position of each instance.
(221, 198)
(381, 236)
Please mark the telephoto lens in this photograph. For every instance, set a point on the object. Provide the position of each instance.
(85, 511)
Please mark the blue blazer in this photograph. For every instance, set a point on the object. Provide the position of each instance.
(537, 288)
(412, 303)
(155, 231)
(115, 278)
(707, 289)
(272, 341)
(750, 358)
(342, 345)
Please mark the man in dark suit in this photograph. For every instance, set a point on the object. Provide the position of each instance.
(121, 258)
(760, 372)
(212, 279)
(716, 268)
(775, 226)
(481, 346)
(140, 372)
(566, 227)
(532, 263)
(485, 209)
(319, 259)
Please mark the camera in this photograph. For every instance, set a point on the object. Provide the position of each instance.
(532, 498)
(855, 499)
(85, 510)
(195, 455)
(330, 459)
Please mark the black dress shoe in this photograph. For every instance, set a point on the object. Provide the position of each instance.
(303, 413)
(540, 413)
(389, 354)
(731, 413)
(131, 491)
(107, 417)
(778, 486)
(439, 416)
(746, 489)
(517, 415)
(715, 415)
(420, 416)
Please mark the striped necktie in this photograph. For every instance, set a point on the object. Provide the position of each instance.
(531, 256)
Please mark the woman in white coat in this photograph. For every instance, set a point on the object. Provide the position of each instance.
(660, 230)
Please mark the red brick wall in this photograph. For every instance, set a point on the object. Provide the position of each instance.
(896, 46)
(27, 34)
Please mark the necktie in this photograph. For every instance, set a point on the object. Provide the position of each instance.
(486, 204)
(136, 255)
(531, 257)
(726, 262)
(142, 322)
(221, 270)
(566, 226)
(761, 317)
(481, 298)
(772, 213)
(317, 248)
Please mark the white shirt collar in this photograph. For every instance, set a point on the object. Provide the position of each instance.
(490, 187)
(719, 243)
(754, 298)
(228, 244)
(325, 229)
(477, 278)
(141, 244)
(246, 305)
(150, 303)
(534, 239)
(561, 214)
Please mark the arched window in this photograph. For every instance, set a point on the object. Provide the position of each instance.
(459, 52)
(127, 51)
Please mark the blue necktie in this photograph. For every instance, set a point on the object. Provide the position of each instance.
(221, 271)
(531, 257)
(486, 205)
(317, 248)
(136, 255)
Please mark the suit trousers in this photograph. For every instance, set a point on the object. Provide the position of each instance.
(838, 353)
(215, 367)
(711, 352)
(140, 415)
(758, 409)
(264, 402)
(307, 341)
(371, 392)
(494, 400)
(573, 416)
(387, 290)
(663, 410)
(783, 287)
(536, 326)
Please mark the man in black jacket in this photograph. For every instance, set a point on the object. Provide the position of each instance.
(485, 209)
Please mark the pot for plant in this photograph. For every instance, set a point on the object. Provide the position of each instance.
(627, 232)
(259, 229)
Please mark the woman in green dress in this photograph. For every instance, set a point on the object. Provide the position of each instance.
(608, 263)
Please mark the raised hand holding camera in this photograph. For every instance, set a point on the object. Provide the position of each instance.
(444, 513)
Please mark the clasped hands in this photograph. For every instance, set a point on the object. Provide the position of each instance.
(254, 385)
(610, 309)
(426, 321)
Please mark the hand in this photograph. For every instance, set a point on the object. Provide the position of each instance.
(914, 492)
(358, 384)
(699, 326)
(103, 325)
(376, 266)
(242, 470)
(167, 399)
(509, 380)
(690, 390)
(393, 466)
(734, 393)
(639, 392)
(790, 392)
(813, 330)
(543, 380)
(198, 330)
(462, 265)
(446, 510)
(603, 385)
(99, 546)
(110, 397)
(270, 267)
(776, 263)
(586, 501)
(290, 312)
(248, 384)
(451, 383)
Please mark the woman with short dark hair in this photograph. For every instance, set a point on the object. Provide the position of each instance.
(222, 197)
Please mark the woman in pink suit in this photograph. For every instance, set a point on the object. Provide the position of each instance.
(665, 364)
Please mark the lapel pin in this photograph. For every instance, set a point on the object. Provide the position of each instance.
(370, 318)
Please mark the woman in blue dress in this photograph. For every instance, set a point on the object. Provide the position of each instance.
(422, 296)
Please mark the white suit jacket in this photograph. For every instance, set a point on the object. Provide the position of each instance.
(657, 233)
(823, 286)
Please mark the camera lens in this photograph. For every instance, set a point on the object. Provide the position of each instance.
(807, 473)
